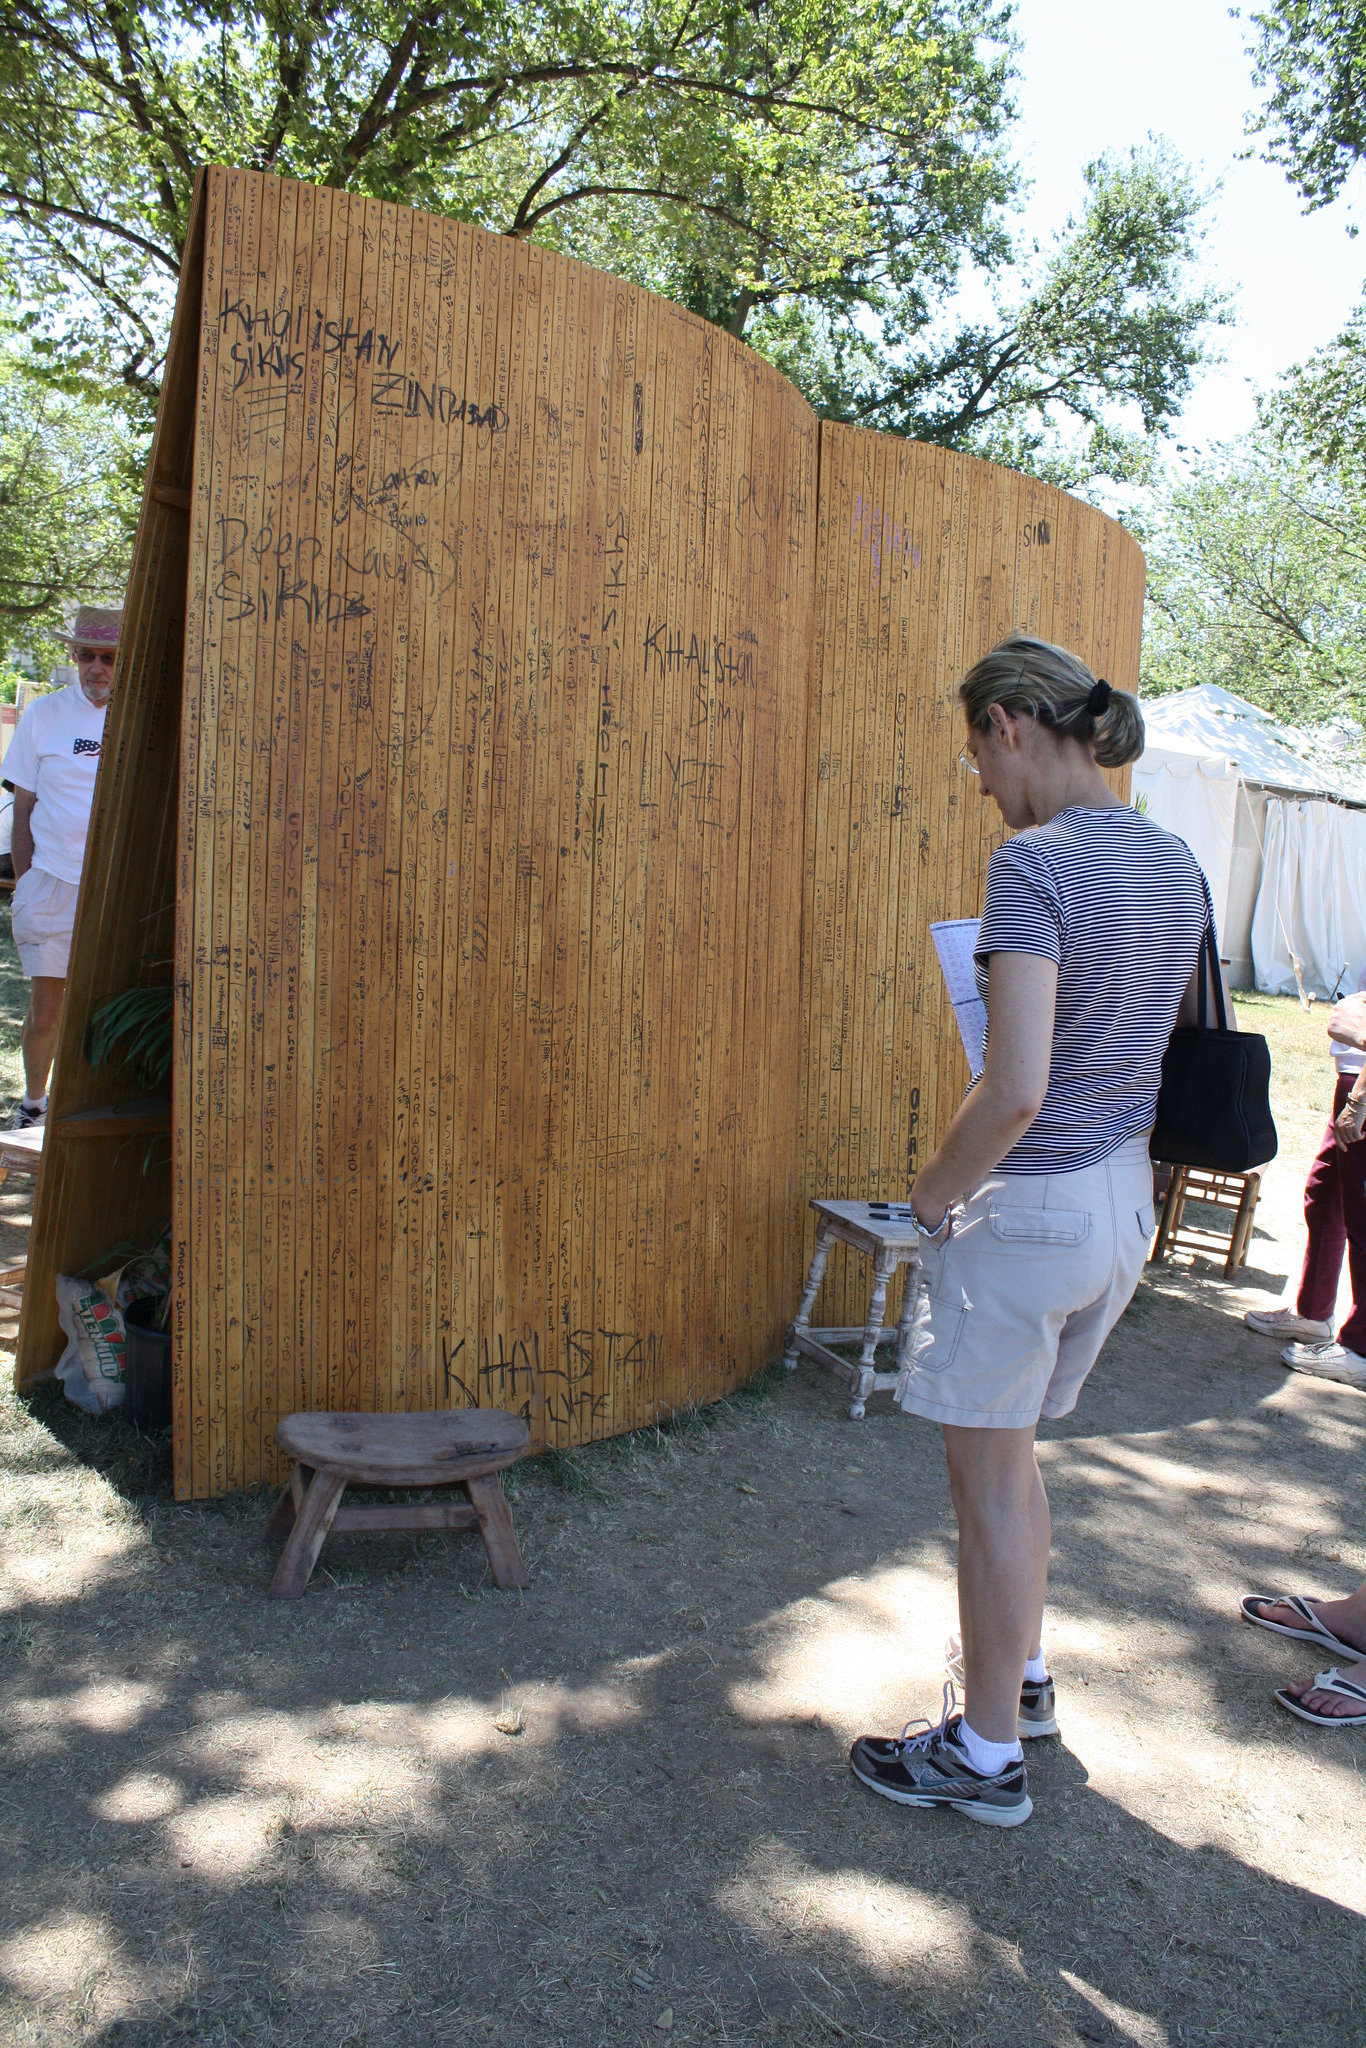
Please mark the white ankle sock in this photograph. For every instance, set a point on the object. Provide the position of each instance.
(35, 1102)
(987, 1757)
(1036, 1670)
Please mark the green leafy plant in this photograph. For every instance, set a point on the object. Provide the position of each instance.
(134, 1027)
(137, 1273)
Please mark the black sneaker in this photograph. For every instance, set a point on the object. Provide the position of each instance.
(932, 1769)
(1038, 1697)
(26, 1119)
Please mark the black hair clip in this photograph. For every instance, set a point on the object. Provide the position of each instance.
(1098, 703)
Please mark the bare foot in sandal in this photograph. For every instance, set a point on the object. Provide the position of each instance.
(1345, 1620)
(1330, 1699)
(1326, 1706)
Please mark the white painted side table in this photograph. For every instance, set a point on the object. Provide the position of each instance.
(888, 1244)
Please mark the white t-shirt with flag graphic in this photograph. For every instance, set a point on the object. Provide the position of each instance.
(55, 753)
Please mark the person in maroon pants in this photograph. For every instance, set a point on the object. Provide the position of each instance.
(1335, 1211)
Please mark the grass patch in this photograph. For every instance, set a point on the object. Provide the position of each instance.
(135, 1462)
(1302, 1070)
(582, 1469)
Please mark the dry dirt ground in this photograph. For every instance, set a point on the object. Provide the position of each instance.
(223, 1821)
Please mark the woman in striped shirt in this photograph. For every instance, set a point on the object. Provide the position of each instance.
(1036, 1210)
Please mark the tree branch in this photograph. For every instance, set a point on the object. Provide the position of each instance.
(685, 199)
(23, 204)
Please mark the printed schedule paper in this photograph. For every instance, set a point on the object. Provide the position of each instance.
(954, 941)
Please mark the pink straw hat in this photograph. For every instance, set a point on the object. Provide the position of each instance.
(95, 625)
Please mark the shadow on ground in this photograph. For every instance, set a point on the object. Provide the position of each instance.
(230, 1821)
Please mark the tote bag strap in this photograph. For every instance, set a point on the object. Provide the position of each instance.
(1208, 969)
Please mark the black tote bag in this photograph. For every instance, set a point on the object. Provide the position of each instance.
(1214, 1105)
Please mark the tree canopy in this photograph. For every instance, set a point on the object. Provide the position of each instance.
(69, 472)
(1107, 318)
(1310, 61)
(1256, 582)
(1257, 553)
(732, 154)
(816, 175)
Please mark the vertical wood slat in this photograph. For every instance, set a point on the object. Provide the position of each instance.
(566, 756)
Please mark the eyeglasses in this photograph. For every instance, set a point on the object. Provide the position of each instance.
(89, 654)
(965, 760)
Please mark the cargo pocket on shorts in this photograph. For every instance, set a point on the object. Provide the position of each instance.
(937, 1335)
(937, 1328)
(1039, 1226)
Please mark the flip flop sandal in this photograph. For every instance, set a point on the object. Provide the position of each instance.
(1312, 1631)
(1334, 1682)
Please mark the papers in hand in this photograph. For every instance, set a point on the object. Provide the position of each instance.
(954, 941)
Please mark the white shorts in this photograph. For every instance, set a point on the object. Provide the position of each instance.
(1014, 1308)
(42, 914)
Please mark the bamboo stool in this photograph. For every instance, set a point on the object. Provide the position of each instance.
(888, 1245)
(1235, 1192)
(467, 1449)
(20, 1152)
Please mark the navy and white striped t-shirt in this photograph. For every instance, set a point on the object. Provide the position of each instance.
(1120, 905)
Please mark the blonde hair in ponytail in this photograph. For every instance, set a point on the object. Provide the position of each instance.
(1035, 678)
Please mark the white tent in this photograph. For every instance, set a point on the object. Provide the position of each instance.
(1197, 796)
(1279, 827)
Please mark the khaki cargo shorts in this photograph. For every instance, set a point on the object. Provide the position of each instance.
(1014, 1308)
(42, 918)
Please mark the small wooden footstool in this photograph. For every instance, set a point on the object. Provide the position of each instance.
(889, 1244)
(468, 1449)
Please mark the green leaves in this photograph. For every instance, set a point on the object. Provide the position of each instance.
(69, 475)
(1100, 334)
(134, 1027)
(766, 149)
(1257, 581)
(1310, 60)
(818, 176)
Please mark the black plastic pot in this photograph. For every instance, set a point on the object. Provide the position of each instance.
(146, 1367)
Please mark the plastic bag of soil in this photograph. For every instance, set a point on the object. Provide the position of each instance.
(91, 1367)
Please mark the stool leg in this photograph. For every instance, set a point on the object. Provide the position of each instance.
(906, 1321)
(285, 1512)
(801, 1322)
(1176, 1188)
(1242, 1225)
(281, 1517)
(306, 1539)
(500, 1538)
(883, 1270)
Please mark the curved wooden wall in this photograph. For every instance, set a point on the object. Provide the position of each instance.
(493, 762)
(926, 559)
(567, 775)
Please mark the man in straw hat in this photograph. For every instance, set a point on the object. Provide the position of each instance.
(51, 766)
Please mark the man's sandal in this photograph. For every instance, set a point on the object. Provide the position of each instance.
(1334, 1682)
(1311, 1629)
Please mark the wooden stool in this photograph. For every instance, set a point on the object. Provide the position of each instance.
(20, 1152)
(1236, 1192)
(469, 1448)
(888, 1245)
